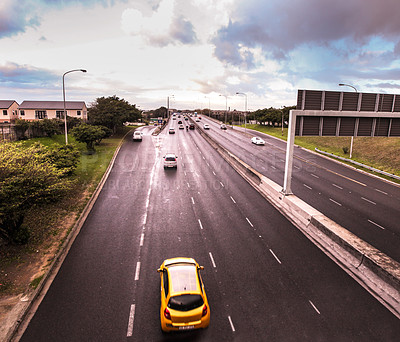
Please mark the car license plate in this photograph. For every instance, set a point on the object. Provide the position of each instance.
(186, 327)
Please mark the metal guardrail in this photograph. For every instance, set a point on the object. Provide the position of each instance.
(359, 164)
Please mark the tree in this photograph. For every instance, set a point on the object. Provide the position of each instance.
(27, 178)
(88, 134)
(112, 112)
(50, 127)
(21, 126)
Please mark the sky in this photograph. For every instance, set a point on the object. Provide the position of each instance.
(197, 53)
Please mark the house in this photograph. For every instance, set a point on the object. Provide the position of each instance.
(8, 111)
(36, 110)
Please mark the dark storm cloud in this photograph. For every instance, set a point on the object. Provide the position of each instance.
(279, 26)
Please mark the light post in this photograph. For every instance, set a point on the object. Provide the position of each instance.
(226, 106)
(352, 137)
(209, 105)
(65, 113)
(245, 110)
(168, 105)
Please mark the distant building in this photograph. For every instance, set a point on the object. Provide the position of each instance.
(8, 111)
(37, 110)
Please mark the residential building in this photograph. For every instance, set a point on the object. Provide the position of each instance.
(8, 111)
(37, 110)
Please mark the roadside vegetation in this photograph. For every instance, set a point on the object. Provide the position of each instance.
(44, 186)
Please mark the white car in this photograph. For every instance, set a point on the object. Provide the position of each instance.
(206, 126)
(137, 136)
(257, 141)
(170, 160)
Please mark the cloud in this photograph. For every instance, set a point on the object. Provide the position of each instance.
(163, 27)
(12, 74)
(280, 26)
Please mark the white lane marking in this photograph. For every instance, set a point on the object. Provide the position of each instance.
(277, 259)
(337, 186)
(188, 185)
(221, 184)
(192, 200)
(296, 167)
(382, 192)
(273, 167)
(201, 226)
(308, 187)
(232, 326)
(185, 173)
(233, 200)
(367, 200)
(141, 239)
(214, 173)
(315, 308)
(249, 222)
(315, 176)
(137, 273)
(130, 322)
(335, 202)
(376, 224)
(212, 260)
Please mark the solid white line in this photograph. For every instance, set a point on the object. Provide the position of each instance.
(233, 200)
(137, 270)
(337, 186)
(201, 226)
(308, 187)
(141, 239)
(230, 321)
(335, 202)
(212, 260)
(315, 176)
(130, 322)
(376, 224)
(382, 192)
(249, 222)
(192, 200)
(277, 259)
(315, 308)
(367, 200)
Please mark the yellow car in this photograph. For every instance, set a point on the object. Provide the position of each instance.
(184, 304)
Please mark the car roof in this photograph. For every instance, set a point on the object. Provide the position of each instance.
(183, 278)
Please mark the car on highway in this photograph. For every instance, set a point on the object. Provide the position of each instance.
(206, 126)
(257, 141)
(197, 120)
(137, 136)
(170, 160)
(181, 126)
(223, 126)
(171, 131)
(191, 126)
(184, 304)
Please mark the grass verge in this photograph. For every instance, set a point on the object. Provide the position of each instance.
(379, 152)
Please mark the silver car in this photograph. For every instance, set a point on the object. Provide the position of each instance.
(170, 160)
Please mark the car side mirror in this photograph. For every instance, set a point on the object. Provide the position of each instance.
(201, 267)
(160, 270)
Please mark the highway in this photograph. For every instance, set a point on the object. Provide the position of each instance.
(365, 205)
(265, 281)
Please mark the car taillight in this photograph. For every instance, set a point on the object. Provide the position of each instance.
(205, 309)
(167, 315)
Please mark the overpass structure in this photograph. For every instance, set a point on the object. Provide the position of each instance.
(334, 113)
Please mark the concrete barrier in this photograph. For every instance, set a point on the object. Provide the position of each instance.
(374, 270)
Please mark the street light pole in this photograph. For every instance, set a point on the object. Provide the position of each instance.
(226, 106)
(352, 137)
(168, 105)
(245, 110)
(65, 113)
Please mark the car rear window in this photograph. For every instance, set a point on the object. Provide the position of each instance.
(170, 159)
(185, 302)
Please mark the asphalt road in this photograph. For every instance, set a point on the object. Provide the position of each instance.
(365, 205)
(264, 280)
